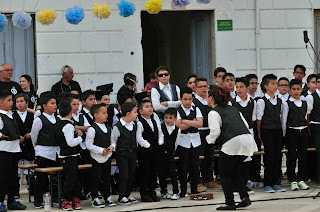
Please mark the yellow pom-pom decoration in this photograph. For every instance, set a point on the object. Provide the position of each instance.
(101, 11)
(46, 16)
(153, 6)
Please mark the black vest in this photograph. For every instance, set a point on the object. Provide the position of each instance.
(165, 98)
(101, 139)
(315, 113)
(24, 127)
(90, 120)
(48, 133)
(305, 89)
(169, 140)
(191, 116)
(271, 117)
(297, 115)
(232, 124)
(127, 139)
(10, 128)
(80, 122)
(205, 109)
(246, 111)
(65, 149)
(149, 135)
(110, 115)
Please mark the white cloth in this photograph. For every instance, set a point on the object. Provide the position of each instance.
(140, 130)
(23, 115)
(245, 103)
(233, 94)
(284, 97)
(37, 113)
(261, 105)
(170, 129)
(87, 112)
(303, 98)
(68, 132)
(76, 117)
(155, 97)
(310, 102)
(255, 95)
(204, 102)
(115, 118)
(116, 133)
(8, 146)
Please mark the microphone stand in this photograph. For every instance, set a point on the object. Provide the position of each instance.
(316, 64)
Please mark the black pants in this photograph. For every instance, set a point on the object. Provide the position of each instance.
(148, 160)
(84, 174)
(256, 159)
(127, 163)
(311, 171)
(42, 183)
(71, 185)
(206, 150)
(9, 175)
(315, 134)
(272, 140)
(167, 164)
(101, 174)
(230, 175)
(189, 163)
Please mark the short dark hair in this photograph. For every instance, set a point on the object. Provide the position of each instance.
(142, 103)
(301, 67)
(64, 108)
(171, 111)
(129, 79)
(218, 70)
(75, 96)
(318, 77)
(266, 80)
(309, 78)
(25, 97)
(227, 75)
(85, 95)
(283, 78)
(161, 68)
(251, 76)
(200, 79)
(153, 75)
(96, 108)
(46, 97)
(127, 107)
(185, 90)
(4, 94)
(244, 80)
(191, 76)
(295, 82)
(64, 96)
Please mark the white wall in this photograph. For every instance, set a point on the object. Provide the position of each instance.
(100, 50)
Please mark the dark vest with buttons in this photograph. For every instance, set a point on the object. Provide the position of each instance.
(24, 127)
(90, 120)
(48, 133)
(165, 98)
(271, 117)
(246, 111)
(149, 135)
(80, 122)
(10, 128)
(191, 116)
(127, 140)
(169, 140)
(65, 149)
(205, 109)
(297, 115)
(232, 124)
(315, 113)
(101, 139)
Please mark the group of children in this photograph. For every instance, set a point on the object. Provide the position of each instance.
(72, 130)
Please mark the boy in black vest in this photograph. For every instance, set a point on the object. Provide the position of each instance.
(88, 99)
(99, 144)
(312, 85)
(124, 141)
(103, 97)
(270, 132)
(283, 87)
(299, 72)
(253, 86)
(189, 120)
(229, 83)
(69, 139)
(295, 128)
(44, 138)
(149, 137)
(9, 140)
(167, 163)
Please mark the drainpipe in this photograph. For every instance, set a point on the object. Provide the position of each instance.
(257, 36)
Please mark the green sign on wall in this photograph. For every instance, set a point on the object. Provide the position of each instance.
(225, 25)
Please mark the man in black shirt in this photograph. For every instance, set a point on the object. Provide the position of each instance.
(6, 83)
(66, 84)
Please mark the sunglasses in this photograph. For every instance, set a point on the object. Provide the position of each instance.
(165, 74)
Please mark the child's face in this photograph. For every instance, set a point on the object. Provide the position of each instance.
(51, 107)
(169, 119)
(191, 84)
(296, 91)
(299, 74)
(102, 115)
(312, 84)
(154, 81)
(90, 101)
(229, 83)
(283, 87)
(202, 88)
(6, 104)
(318, 84)
(106, 100)
(147, 109)
(241, 89)
(132, 116)
(253, 85)
(272, 86)
(218, 79)
(21, 104)
(75, 104)
(186, 100)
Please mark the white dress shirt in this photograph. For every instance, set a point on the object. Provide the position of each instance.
(96, 151)
(204, 102)
(68, 132)
(190, 138)
(310, 102)
(87, 112)
(284, 97)
(140, 130)
(8, 146)
(155, 97)
(303, 98)
(233, 94)
(115, 117)
(23, 115)
(261, 105)
(170, 129)
(285, 112)
(245, 103)
(255, 95)
(76, 117)
(48, 152)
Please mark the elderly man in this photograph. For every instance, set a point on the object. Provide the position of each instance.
(66, 84)
(6, 71)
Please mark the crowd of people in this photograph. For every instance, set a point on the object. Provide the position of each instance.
(145, 131)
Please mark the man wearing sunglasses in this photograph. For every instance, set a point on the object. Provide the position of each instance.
(299, 73)
(6, 83)
(164, 95)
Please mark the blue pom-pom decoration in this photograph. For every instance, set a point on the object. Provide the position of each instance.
(21, 19)
(203, 1)
(181, 3)
(3, 22)
(126, 8)
(74, 15)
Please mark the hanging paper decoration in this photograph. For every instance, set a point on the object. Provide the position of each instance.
(101, 11)
(46, 16)
(3, 22)
(21, 20)
(153, 6)
(74, 15)
(181, 3)
(126, 8)
(203, 1)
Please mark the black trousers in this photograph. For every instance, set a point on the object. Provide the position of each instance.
(206, 150)
(230, 175)
(167, 164)
(71, 184)
(255, 167)
(127, 163)
(311, 171)
(100, 175)
(84, 174)
(315, 134)
(9, 175)
(272, 140)
(148, 160)
(189, 163)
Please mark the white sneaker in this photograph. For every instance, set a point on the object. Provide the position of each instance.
(303, 185)
(166, 196)
(175, 197)
(235, 193)
(294, 186)
(97, 204)
(109, 202)
(124, 201)
(132, 200)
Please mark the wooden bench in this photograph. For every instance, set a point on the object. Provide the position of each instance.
(28, 167)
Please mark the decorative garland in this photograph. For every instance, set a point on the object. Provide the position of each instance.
(3, 22)
(181, 3)
(101, 11)
(46, 16)
(153, 6)
(21, 19)
(126, 8)
(203, 1)
(74, 15)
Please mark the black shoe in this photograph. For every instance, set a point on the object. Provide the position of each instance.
(182, 194)
(227, 208)
(155, 198)
(145, 198)
(16, 205)
(37, 204)
(245, 203)
(195, 192)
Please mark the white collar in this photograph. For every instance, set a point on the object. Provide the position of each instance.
(291, 99)
(191, 108)
(238, 99)
(285, 95)
(161, 86)
(198, 97)
(67, 119)
(6, 112)
(309, 92)
(172, 127)
(21, 113)
(269, 97)
(47, 115)
(123, 123)
(86, 110)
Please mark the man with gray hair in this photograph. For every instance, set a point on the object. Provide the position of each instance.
(6, 83)
(66, 84)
